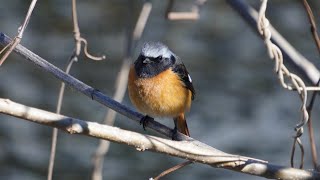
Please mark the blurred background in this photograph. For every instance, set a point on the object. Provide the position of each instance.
(240, 106)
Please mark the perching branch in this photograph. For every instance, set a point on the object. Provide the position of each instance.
(87, 90)
(189, 149)
(192, 149)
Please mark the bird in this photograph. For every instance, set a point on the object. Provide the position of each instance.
(159, 85)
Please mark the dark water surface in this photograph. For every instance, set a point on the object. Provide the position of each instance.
(240, 107)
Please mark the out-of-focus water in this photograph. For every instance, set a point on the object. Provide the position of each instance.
(240, 107)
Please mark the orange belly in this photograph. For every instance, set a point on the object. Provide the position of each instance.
(161, 96)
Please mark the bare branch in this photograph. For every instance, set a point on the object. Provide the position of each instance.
(121, 88)
(87, 90)
(77, 36)
(310, 106)
(192, 149)
(21, 30)
(142, 20)
(172, 169)
(312, 24)
(73, 59)
(191, 15)
(304, 66)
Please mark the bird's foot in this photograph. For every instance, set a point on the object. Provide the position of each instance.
(174, 133)
(144, 121)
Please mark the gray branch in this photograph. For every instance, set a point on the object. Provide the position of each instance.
(304, 66)
(192, 149)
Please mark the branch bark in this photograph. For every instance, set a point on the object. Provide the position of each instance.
(192, 149)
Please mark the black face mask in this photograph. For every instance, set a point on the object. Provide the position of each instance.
(147, 67)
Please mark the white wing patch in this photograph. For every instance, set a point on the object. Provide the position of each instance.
(189, 77)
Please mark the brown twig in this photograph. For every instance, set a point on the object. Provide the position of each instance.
(74, 58)
(297, 141)
(310, 106)
(191, 15)
(78, 38)
(311, 133)
(174, 168)
(21, 30)
(121, 84)
(312, 23)
(293, 57)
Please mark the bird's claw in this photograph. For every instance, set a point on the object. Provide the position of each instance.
(144, 121)
(174, 133)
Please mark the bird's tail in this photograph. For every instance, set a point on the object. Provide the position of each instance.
(181, 124)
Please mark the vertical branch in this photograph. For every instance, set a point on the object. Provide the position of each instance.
(74, 58)
(21, 30)
(310, 106)
(312, 24)
(311, 133)
(55, 130)
(296, 83)
(121, 87)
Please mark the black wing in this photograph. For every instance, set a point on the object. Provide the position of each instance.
(181, 70)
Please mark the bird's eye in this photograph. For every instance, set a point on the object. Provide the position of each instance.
(159, 58)
(173, 59)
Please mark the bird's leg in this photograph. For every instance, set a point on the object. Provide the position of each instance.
(144, 121)
(175, 130)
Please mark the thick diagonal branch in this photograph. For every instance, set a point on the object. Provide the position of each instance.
(192, 149)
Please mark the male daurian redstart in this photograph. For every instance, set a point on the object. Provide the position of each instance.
(159, 85)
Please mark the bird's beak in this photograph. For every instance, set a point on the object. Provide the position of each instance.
(146, 61)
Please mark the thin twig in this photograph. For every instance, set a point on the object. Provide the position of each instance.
(297, 60)
(191, 15)
(311, 133)
(301, 64)
(12, 45)
(142, 20)
(55, 130)
(282, 72)
(21, 30)
(73, 58)
(313, 25)
(174, 168)
(192, 150)
(79, 39)
(310, 106)
(121, 84)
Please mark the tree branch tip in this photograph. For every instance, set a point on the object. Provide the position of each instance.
(173, 16)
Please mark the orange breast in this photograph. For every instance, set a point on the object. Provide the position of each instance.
(163, 95)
